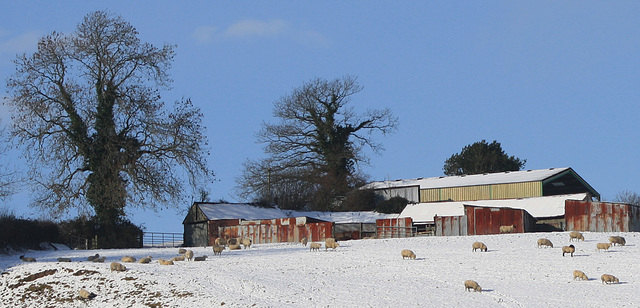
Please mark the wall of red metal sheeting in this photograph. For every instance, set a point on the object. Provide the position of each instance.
(394, 227)
(451, 225)
(484, 220)
(273, 230)
(601, 216)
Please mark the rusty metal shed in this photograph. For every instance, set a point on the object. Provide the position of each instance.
(602, 216)
(480, 220)
(395, 227)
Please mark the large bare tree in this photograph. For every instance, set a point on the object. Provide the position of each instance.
(88, 111)
(314, 151)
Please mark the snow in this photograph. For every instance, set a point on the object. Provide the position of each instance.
(538, 207)
(359, 273)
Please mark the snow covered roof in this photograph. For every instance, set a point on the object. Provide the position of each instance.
(472, 180)
(538, 207)
(218, 211)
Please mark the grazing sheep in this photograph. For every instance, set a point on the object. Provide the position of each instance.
(200, 258)
(84, 294)
(27, 259)
(579, 274)
(304, 241)
(178, 258)
(128, 259)
(99, 260)
(118, 267)
(617, 240)
(232, 241)
(330, 243)
(189, 255)
(406, 253)
(165, 262)
(91, 258)
(182, 251)
(568, 249)
(217, 250)
(64, 259)
(544, 242)
(234, 247)
(479, 245)
(220, 242)
(603, 246)
(606, 278)
(246, 242)
(315, 246)
(470, 284)
(508, 229)
(575, 235)
(145, 260)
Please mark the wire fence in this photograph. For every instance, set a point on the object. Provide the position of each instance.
(162, 239)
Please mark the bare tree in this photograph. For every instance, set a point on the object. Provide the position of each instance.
(9, 175)
(628, 197)
(89, 115)
(319, 141)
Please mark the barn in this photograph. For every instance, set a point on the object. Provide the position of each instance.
(602, 216)
(207, 221)
(488, 186)
(480, 220)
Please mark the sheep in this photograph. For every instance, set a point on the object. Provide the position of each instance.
(118, 267)
(606, 278)
(91, 258)
(579, 274)
(220, 242)
(145, 260)
(27, 259)
(165, 262)
(544, 242)
(508, 229)
(568, 249)
(99, 260)
(304, 241)
(479, 245)
(217, 250)
(128, 259)
(178, 258)
(189, 255)
(232, 241)
(203, 258)
(617, 240)
(234, 246)
(603, 246)
(575, 235)
(84, 294)
(406, 253)
(330, 243)
(470, 284)
(246, 242)
(64, 259)
(182, 251)
(315, 246)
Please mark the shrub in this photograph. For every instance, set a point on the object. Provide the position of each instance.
(26, 233)
(122, 234)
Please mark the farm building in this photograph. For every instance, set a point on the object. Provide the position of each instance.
(480, 220)
(207, 221)
(602, 216)
(488, 186)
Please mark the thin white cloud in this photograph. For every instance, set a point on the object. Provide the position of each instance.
(248, 28)
(18, 44)
(204, 34)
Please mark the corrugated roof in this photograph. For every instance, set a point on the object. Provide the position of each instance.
(538, 207)
(472, 180)
(219, 211)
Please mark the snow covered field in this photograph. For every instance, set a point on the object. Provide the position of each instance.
(362, 273)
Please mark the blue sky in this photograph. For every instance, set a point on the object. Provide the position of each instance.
(555, 82)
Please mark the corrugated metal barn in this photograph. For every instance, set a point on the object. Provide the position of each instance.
(602, 216)
(479, 220)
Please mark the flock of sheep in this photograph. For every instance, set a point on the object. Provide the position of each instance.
(574, 235)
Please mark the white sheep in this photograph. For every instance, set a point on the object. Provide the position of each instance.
(603, 246)
(304, 241)
(128, 259)
(178, 258)
(99, 260)
(579, 274)
(91, 258)
(617, 240)
(84, 294)
(246, 242)
(406, 253)
(118, 267)
(606, 278)
(315, 246)
(508, 229)
(217, 250)
(182, 251)
(479, 245)
(234, 247)
(27, 259)
(64, 259)
(575, 235)
(165, 262)
(189, 255)
(330, 243)
(145, 260)
(232, 241)
(203, 258)
(544, 242)
(470, 284)
(220, 242)
(568, 249)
